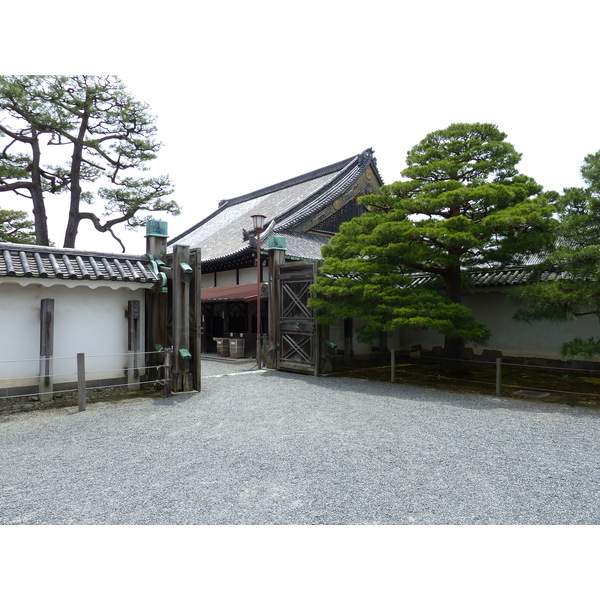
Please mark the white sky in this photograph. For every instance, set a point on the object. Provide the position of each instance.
(248, 94)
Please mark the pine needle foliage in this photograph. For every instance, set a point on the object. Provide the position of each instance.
(462, 204)
(574, 290)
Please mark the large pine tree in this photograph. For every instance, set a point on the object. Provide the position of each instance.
(109, 138)
(461, 205)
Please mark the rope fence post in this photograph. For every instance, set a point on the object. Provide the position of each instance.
(167, 373)
(393, 365)
(498, 376)
(81, 381)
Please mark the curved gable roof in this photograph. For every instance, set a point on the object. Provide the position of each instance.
(220, 235)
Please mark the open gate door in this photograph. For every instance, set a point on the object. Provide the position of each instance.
(298, 331)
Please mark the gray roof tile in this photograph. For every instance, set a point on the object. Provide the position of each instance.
(22, 260)
(500, 277)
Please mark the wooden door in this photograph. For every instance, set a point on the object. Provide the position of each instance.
(298, 339)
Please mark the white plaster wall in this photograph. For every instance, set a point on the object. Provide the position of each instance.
(226, 278)
(493, 308)
(247, 275)
(19, 334)
(208, 280)
(541, 339)
(86, 320)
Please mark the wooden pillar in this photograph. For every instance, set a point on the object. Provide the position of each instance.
(133, 344)
(157, 246)
(157, 302)
(81, 399)
(182, 377)
(276, 258)
(319, 331)
(195, 263)
(46, 380)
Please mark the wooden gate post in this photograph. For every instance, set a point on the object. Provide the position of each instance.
(196, 264)
(157, 305)
(182, 378)
(46, 380)
(276, 258)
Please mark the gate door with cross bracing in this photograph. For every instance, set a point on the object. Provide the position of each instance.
(298, 339)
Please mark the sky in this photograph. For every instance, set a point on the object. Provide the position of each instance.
(248, 94)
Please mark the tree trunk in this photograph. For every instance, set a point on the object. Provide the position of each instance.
(37, 196)
(76, 161)
(453, 347)
(73, 221)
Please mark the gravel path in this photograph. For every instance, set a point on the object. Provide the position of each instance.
(277, 448)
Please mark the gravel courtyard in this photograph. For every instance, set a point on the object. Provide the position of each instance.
(265, 447)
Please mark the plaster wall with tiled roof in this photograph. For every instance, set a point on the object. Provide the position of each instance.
(286, 205)
(520, 273)
(23, 263)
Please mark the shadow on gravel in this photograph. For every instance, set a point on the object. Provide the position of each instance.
(399, 391)
(174, 399)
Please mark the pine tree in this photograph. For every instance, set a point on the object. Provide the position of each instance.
(461, 205)
(111, 139)
(573, 289)
(16, 227)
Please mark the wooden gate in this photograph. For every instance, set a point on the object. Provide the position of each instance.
(298, 332)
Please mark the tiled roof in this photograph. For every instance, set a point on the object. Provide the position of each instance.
(305, 246)
(285, 204)
(346, 178)
(500, 277)
(42, 262)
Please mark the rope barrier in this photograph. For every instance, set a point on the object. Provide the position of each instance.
(504, 364)
(507, 385)
(125, 354)
(22, 360)
(474, 363)
(74, 390)
(116, 385)
(44, 358)
(55, 376)
(36, 394)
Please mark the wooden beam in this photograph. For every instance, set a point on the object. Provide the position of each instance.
(46, 384)
(133, 344)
